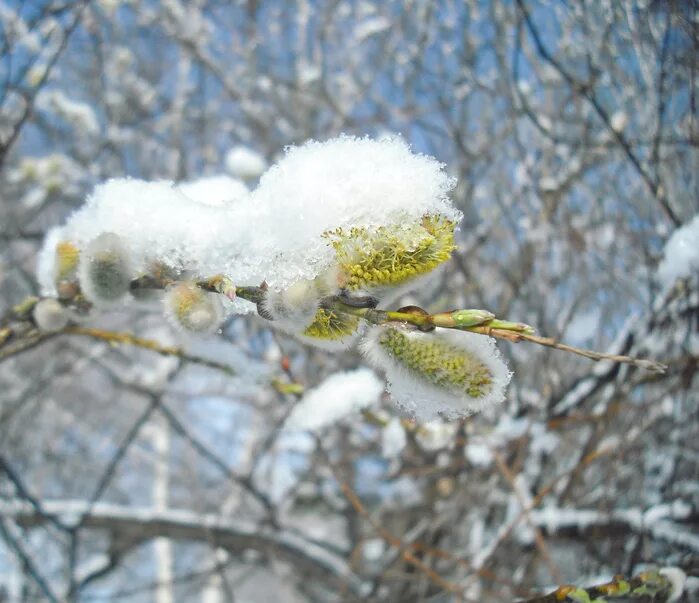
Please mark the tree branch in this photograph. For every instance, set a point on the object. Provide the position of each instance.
(139, 525)
(586, 91)
(659, 522)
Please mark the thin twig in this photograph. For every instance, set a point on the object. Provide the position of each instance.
(538, 536)
(515, 337)
(393, 541)
(244, 482)
(23, 492)
(119, 454)
(26, 560)
(13, 347)
(119, 338)
(514, 332)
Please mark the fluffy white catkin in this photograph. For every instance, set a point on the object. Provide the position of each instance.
(443, 373)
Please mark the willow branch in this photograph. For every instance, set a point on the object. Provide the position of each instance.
(475, 321)
(511, 331)
(516, 337)
(33, 337)
(119, 338)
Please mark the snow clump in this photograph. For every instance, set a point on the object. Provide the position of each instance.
(339, 396)
(244, 163)
(214, 190)
(276, 233)
(681, 254)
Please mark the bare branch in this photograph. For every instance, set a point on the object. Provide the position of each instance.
(16, 545)
(234, 535)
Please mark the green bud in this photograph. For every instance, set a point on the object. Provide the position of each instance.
(462, 318)
(506, 325)
(223, 285)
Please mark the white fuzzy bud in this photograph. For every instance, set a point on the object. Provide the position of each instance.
(50, 316)
(295, 304)
(105, 269)
(296, 311)
(189, 307)
(328, 281)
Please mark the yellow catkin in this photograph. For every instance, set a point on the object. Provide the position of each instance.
(391, 255)
(331, 326)
(185, 297)
(192, 308)
(439, 363)
(66, 263)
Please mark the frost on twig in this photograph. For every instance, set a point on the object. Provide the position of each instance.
(333, 233)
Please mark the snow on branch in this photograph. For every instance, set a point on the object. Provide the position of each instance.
(660, 521)
(681, 254)
(135, 525)
(274, 234)
(333, 232)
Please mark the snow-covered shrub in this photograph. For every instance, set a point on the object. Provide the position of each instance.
(333, 230)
